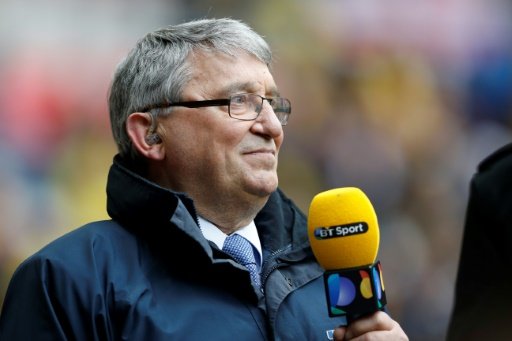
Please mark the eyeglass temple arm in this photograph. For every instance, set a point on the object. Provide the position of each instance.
(199, 104)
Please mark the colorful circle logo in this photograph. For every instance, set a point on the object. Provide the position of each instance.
(341, 290)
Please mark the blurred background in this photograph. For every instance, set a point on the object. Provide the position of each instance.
(400, 98)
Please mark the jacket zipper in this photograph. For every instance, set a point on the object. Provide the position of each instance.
(269, 269)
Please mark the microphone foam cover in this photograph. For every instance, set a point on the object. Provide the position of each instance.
(343, 229)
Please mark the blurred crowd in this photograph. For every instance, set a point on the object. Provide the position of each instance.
(399, 98)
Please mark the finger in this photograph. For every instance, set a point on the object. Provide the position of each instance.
(339, 333)
(397, 334)
(378, 321)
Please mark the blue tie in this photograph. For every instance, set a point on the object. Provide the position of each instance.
(241, 250)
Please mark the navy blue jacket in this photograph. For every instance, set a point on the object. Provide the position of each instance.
(149, 274)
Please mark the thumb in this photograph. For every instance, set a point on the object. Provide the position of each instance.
(339, 333)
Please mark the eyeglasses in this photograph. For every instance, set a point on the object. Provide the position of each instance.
(244, 107)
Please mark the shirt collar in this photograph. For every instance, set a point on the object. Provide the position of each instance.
(215, 235)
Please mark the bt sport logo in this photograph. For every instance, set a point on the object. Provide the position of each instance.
(351, 229)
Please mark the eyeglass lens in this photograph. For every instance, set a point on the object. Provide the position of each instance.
(248, 106)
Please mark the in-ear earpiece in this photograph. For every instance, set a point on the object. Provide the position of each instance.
(152, 139)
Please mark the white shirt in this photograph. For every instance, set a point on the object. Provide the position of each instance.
(249, 232)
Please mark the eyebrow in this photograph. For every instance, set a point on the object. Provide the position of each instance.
(248, 87)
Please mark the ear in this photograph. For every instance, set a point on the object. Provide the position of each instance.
(140, 128)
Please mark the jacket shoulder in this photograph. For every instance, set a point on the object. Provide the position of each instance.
(76, 250)
(496, 158)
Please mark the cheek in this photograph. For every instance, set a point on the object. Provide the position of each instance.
(212, 142)
(184, 151)
(215, 156)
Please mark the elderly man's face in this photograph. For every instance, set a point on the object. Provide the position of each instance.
(210, 154)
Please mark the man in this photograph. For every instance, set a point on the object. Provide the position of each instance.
(198, 119)
(483, 302)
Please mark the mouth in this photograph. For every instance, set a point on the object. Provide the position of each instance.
(261, 159)
(261, 151)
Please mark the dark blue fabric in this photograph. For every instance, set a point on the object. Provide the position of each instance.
(97, 283)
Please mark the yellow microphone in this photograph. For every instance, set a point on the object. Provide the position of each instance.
(344, 235)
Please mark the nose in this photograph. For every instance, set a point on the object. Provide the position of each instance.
(267, 122)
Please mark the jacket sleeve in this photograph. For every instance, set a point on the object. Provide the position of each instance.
(45, 301)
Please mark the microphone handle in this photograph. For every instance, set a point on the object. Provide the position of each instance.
(355, 292)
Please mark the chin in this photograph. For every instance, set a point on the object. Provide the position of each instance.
(264, 189)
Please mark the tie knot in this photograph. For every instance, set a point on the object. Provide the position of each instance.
(239, 248)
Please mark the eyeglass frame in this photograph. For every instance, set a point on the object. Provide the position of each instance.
(222, 102)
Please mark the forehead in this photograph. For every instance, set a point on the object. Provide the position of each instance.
(215, 73)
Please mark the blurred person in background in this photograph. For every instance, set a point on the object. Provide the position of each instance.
(202, 244)
(482, 293)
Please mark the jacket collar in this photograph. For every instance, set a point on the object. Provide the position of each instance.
(132, 199)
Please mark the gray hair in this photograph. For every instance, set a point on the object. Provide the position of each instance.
(156, 69)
